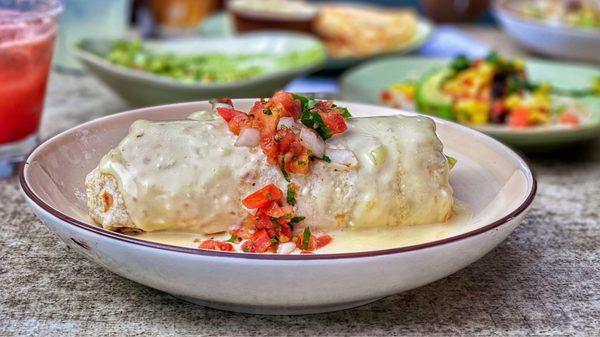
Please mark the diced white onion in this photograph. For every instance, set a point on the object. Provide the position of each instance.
(287, 121)
(286, 248)
(249, 137)
(312, 141)
(342, 156)
(220, 105)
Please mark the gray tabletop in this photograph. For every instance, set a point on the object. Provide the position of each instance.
(543, 280)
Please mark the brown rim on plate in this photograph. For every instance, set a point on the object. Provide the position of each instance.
(132, 240)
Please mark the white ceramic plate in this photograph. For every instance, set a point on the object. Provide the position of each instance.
(558, 41)
(495, 182)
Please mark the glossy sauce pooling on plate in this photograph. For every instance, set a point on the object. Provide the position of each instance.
(350, 241)
(189, 176)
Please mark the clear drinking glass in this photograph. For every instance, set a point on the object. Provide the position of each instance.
(27, 31)
(88, 19)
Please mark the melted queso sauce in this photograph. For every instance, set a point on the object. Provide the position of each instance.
(349, 240)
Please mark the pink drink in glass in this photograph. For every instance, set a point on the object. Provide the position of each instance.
(27, 31)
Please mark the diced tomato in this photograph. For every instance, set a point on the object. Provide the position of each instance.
(270, 149)
(312, 242)
(286, 138)
(216, 245)
(261, 241)
(225, 100)
(324, 105)
(323, 240)
(238, 122)
(333, 120)
(228, 113)
(297, 111)
(288, 213)
(519, 118)
(247, 247)
(243, 233)
(250, 223)
(386, 96)
(263, 197)
(274, 210)
(256, 108)
(267, 122)
(286, 100)
(262, 220)
(285, 234)
(569, 118)
(297, 161)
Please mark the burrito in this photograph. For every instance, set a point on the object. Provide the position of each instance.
(190, 175)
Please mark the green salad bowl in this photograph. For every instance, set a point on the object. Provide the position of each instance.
(366, 82)
(146, 88)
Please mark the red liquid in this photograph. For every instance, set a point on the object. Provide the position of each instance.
(25, 55)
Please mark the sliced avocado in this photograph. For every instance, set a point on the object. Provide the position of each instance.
(429, 96)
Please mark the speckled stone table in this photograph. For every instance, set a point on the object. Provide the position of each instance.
(544, 280)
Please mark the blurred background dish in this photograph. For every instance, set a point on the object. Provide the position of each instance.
(180, 17)
(371, 82)
(582, 14)
(195, 68)
(252, 15)
(352, 32)
(455, 11)
(552, 29)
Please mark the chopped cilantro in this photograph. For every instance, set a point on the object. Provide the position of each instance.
(326, 159)
(297, 219)
(344, 112)
(291, 195)
(305, 238)
(233, 238)
(294, 221)
(283, 171)
(311, 119)
(460, 62)
(267, 112)
(311, 103)
(493, 58)
(275, 222)
(274, 240)
(246, 249)
(303, 99)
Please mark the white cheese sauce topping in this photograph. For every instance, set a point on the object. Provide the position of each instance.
(189, 176)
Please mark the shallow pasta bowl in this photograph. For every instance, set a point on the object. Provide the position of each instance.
(496, 183)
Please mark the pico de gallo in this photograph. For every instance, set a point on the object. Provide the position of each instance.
(271, 228)
(492, 90)
(291, 130)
